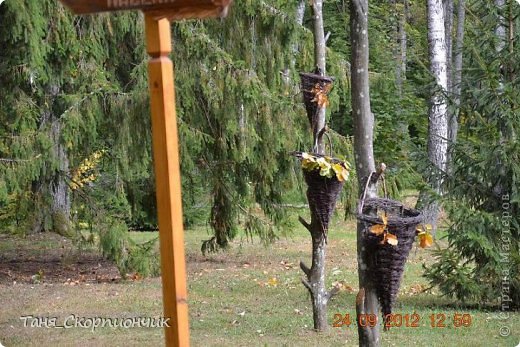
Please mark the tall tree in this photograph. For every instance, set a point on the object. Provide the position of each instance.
(230, 109)
(402, 46)
(438, 112)
(448, 28)
(314, 280)
(480, 263)
(366, 301)
(457, 72)
(52, 103)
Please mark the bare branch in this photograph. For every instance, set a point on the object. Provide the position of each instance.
(360, 302)
(327, 37)
(305, 269)
(307, 284)
(13, 161)
(333, 292)
(305, 224)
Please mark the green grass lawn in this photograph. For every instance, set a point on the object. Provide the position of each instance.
(250, 295)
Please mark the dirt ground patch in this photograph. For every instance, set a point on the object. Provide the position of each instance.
(51, 258)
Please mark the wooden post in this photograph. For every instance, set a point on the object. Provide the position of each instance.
(167, 181)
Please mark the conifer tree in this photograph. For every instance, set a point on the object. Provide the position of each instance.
(59, 81)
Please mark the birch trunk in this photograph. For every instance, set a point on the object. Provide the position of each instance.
(363, 119)
(438, 113)
(500, 33)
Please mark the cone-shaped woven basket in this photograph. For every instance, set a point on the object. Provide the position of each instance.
(309, 82)
(322, 194)
(390, 260)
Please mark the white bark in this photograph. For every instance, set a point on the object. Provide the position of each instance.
(500, 31)
(438, 113)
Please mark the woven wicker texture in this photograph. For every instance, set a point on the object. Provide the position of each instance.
(390, 260)
(309, 81)
(322, 193)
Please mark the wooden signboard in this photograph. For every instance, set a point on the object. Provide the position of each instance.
(158, 14)
(171, 9)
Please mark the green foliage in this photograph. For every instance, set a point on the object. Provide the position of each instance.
(482, 260)
(129, 256)
(232, 102)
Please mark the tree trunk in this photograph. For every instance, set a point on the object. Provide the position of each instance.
(286, 73)
(401, 63)
(58, 188)
(438, 113)
(402, 48)
(367, 302)
(315, 276)
(500, 31)
(457, 72)
(50, 192)
(317, 280)
(448, 28)
(319, 59)
(300, 12)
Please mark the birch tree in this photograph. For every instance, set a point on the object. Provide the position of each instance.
(438, 111)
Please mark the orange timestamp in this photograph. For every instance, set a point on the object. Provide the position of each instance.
(398, 320)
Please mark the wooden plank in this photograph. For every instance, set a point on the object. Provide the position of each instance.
(174, 9)
(168, 181)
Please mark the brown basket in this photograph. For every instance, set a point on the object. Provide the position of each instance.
(309, 81)
(322, 193)
(390, 260)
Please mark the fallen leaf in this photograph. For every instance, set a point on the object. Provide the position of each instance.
(272, 282)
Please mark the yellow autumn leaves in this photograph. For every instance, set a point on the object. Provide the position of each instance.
(326, 166)
(320, 94)
(84, 172)
(425, 238)
(379, 229)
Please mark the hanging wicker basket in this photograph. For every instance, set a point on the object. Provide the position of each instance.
(322, 194)
(310, 83)
(322, 191)
(390, 260)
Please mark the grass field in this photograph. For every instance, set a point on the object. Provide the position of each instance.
(248, 296)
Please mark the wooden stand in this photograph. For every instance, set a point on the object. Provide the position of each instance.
(167, 180)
